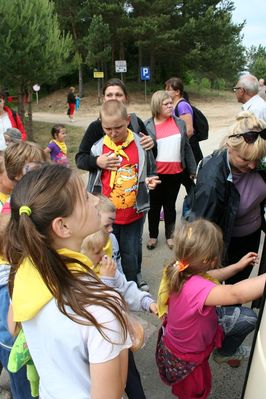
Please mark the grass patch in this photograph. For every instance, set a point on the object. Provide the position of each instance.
(42, 136)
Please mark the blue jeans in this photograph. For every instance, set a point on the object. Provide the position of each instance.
(237, 322)
(19, 384)
(128, 237)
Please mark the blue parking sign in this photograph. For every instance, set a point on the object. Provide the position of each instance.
(145, 73)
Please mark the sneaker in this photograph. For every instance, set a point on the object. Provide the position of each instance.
(142, 284)
(234, 360)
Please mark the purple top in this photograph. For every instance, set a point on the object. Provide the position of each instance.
(182, 108)
(252, 190)
(57, 155)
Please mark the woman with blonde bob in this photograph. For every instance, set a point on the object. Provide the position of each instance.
(174, 155)
(231, 189)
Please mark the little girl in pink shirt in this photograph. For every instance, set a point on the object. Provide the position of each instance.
(191, 300)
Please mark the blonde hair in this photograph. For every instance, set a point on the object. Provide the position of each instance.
(246, 122)
(4, 219)
(105, 204)
(18, 154)
(92, 241)
(2, 164)
(113, 108)
(197, 244)
(157, 101)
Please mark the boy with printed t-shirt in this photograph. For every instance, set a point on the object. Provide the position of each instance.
(125, 182)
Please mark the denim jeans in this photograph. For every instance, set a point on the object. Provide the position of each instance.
(128, 237)
(237, 322)
(19, 384)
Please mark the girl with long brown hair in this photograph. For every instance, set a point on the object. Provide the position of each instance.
(75, 326)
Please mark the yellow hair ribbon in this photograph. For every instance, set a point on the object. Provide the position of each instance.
(24, 209)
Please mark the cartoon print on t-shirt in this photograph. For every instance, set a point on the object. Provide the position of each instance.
(124, 191)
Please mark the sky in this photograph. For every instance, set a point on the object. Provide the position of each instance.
(254, 12)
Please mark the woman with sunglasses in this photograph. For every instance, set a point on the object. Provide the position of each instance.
(230, 189)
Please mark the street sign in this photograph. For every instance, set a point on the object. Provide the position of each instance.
(36, 87)
(98, 75)
(120, 66)
(145, 73)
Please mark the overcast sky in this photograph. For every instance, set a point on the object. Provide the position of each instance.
(254, 12)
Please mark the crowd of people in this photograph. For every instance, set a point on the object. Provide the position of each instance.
(71, 255)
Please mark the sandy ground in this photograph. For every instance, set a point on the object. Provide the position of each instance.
(221, 111)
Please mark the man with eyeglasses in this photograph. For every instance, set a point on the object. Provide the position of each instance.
(246, 91)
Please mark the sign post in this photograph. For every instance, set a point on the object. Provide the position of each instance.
(145, 75)
(98, 75)
(121, 67)
(36, 88)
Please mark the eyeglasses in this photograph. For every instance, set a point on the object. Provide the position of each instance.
(237, 88)
(250, 137)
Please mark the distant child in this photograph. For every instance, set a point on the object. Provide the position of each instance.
(57, 147)
(19, 384)
(71, 100)
(126, 183)
(12, 135)
(77, 102)
(75, 326)
(194, 325)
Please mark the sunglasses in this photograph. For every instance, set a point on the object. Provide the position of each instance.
(250, 137)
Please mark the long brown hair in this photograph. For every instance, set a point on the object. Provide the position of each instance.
(53, 191)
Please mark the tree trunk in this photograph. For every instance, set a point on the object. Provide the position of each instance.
(81, 94)
(29, 125)
(139, 61)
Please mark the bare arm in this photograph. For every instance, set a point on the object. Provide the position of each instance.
(226, 272)
(108, 379)
(242, 292)
(187, 118)
(47, 150)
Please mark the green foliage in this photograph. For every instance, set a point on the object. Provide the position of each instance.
(257, 61)
(97, 42)
(33, 49)
(205, 83)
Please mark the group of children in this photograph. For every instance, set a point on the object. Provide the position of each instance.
(68, 284)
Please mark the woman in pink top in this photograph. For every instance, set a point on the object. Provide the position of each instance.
(193, 327)
(174, 155)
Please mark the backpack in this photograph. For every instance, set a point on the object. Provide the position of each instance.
(200, 122)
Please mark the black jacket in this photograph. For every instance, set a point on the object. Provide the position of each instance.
(214, 197)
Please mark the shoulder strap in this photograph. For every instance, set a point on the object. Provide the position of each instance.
(134, 123)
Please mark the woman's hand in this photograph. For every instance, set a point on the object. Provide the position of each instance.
(108, 161)
(152, 182)
(146, 142)
(108, 267)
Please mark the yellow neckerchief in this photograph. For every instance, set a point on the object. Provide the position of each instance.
(62, 145)
(3, 261)
(163, 296)
(4, 198)
(30, 293)
(118, 150)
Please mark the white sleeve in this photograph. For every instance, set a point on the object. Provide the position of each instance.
(100, 350)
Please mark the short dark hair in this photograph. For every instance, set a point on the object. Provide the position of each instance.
(56, 129)
(175, 84)
(116, 82)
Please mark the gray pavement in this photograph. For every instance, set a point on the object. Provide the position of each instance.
(227, 382)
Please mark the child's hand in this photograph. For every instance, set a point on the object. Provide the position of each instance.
(154, 308)
(108, 267)
(152, 182)
(250, 259)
